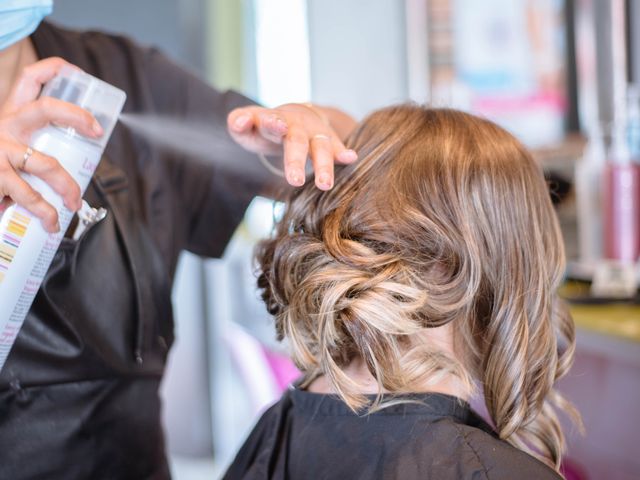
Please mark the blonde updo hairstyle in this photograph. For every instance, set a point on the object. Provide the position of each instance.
(446, 218)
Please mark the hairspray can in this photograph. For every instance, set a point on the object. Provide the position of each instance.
(26, 249)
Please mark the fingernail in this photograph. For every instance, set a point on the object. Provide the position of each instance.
(348, 156)
(97, 128)
(56, 227)
(324, 180)
(241, 121)
(296, 178)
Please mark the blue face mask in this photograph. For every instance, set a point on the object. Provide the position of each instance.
(19, 18)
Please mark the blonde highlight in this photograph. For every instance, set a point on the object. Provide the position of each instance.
(446, 219)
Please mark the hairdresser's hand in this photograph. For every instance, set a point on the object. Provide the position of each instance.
(20, 115)
(301, 130)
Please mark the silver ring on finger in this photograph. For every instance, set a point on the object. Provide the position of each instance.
(320, 136)
(25, 158)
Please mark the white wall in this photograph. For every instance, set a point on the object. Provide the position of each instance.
(357, 52)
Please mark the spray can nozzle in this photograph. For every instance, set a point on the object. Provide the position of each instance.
(99, 98)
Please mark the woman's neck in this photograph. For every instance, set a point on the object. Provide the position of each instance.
(357, 370)
(12, 61)
(440, 337)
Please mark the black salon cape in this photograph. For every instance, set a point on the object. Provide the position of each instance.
(313, 436)
(79, 392)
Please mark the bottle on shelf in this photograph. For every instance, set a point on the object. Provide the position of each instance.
(621, 190)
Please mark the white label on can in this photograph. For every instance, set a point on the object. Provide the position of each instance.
(26, 249)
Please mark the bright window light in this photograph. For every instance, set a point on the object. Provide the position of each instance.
(282, 51)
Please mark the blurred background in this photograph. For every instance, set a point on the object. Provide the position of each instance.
(560, 74)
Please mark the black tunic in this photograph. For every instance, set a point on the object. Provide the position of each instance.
(313, 436)
(79, 391)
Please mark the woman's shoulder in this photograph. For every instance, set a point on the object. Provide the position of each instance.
(266, 445)
(501, 461)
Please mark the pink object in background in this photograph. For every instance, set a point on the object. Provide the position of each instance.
(572, 471)
(263, 373)
(283, 369)
(622, 212)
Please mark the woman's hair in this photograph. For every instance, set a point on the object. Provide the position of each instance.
(446, 218)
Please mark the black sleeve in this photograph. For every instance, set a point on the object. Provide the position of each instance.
(188, 202)
(212, 188)
(263, 454)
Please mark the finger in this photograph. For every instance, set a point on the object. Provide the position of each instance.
(296, 148)
(240, 125)
(11, 185)
(322, 159)
(30, 82)
(241, 120)
(266, 121)
(47, 110)
(48, 169)
(272, 126)
(341, 153)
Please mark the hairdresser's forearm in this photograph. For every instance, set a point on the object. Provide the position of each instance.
(340, 121)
